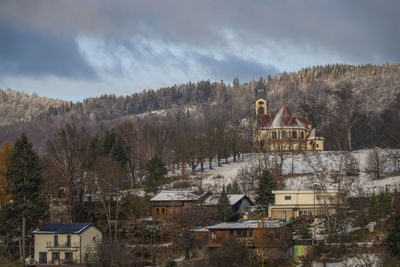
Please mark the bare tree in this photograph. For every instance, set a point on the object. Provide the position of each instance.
(67, 152)
(346, 109)
(376, 162)
(108, 178)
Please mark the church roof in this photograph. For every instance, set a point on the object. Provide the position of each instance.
(260, 90)
(285, 119)
(306, 122)
(314, 135)
(264, 121)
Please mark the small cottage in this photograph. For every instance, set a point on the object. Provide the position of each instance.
(66, 243)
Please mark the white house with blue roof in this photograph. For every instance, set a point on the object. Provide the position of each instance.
(66, 243)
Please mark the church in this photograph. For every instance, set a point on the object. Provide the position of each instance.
(283, 131)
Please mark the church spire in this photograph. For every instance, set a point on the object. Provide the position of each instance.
(260, 90)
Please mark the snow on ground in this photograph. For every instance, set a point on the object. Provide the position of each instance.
(304, 164)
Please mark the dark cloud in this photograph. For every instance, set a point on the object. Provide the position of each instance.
(36, 53)
(361, 30)
(224, 38)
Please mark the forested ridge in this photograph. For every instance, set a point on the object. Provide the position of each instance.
(374, 86)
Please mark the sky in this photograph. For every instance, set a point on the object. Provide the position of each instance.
(74, 49)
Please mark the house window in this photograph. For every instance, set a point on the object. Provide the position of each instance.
(157, 210)
(231, 233)
(56, 241)
(55, 257)
(317, 145)
(205, 237)
(302, 135)
(68, 257)
(68, 241)
(213, 235)
(251, 233)
(273, 135)
(322, 197)
(284, 134)
(43, 257)
(163, 211)
(305, 212)
(294, 134)
(288, 197)
(241, 233)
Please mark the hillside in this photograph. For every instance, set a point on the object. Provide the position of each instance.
(374, 86)
(303, 173)
(19, 107)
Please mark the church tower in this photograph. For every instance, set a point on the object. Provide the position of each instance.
(260, 99)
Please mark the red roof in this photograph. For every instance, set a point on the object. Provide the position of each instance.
(265, 120)
(305, 121)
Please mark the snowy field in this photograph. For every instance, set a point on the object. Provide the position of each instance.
(304, 166)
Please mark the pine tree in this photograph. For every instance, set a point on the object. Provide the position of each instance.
(393, 237)
(224, 209)
(266, 183)
(24, 175)
(5, 153)
(155, 173)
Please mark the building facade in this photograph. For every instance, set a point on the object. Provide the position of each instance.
(294, 203)
(282, 131)
(66, 243)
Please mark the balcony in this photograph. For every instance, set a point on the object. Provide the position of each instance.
(62, 246)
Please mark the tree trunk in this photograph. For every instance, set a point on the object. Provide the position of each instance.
(23, 238)
(210, 163)
(349, 138)
(183, 170)
(202, 165)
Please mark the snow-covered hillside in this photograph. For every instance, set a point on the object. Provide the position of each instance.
(304, 167)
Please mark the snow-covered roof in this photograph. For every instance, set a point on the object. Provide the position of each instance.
(314, 135)
(203, 229)
(233, 199)
(176, 195)
(284, 119)
(249, 224)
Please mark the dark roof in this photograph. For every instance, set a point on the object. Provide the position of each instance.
(260, 90)
(62, 228)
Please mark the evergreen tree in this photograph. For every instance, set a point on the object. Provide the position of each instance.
(233, 188)
(224, 209)
(393, 238)
(266, 183)
(24, 175)
(155, 173)
(111, 144)
(5, 154)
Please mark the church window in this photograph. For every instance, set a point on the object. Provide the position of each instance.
(294, 134)
(302, 135)
(273, 135)
(284, 134)
(260, 110)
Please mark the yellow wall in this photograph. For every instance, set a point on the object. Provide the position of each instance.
(301, 200)
(90, 238)
(261, 103)
(84, 241)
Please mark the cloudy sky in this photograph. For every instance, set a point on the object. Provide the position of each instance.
(74, 49)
